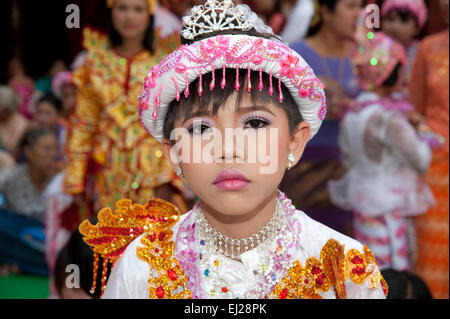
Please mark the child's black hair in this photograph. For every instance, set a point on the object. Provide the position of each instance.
(392, 80)
(406, 15)
(51, 99)
(211, 101)
(116, 39)
(405, 285)
(331, 5)
(77, 252)
(33, 135)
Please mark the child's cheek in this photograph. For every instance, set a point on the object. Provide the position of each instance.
(272, 156)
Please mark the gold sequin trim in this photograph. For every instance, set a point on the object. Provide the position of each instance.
(330, 271)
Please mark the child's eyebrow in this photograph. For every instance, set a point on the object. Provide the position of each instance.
(241, 110)
(252, 108)
(197, 114)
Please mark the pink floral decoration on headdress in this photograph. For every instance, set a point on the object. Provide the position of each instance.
(179, 69)
(59, 80)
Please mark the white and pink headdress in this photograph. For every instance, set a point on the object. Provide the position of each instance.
(171, 78)
(416, 7)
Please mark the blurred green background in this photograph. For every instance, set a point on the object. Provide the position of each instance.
(23, 287)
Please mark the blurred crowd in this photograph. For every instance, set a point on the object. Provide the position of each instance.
(377, 170)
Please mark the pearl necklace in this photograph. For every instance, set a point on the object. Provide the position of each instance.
(273, 266)
(230, 247)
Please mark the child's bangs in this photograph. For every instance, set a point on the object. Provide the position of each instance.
(405, 15)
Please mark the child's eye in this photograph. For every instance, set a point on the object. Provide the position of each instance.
(198, 128)
(255, 123)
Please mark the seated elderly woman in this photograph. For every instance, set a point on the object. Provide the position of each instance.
(22, 212)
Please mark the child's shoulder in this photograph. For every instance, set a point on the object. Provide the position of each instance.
(315, 235)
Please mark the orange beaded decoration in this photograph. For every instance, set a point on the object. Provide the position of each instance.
(115, 231)
(94, 279)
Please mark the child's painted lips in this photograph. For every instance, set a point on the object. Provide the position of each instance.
(231, 180)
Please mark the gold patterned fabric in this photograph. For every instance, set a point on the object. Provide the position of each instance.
(167, 280)
(105, 126)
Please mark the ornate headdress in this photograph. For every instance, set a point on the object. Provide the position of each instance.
(167, 81)
(59, 80)
(375, 57)
(151, 5)
(417, 7)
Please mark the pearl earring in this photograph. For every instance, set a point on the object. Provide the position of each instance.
(179, 172)
(291, 159)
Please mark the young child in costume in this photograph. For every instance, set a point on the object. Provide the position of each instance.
(403, 20)
(243, 238)
(384, 156)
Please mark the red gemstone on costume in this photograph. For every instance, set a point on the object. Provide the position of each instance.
(172, 274)
(160, 292)
(358, 270)
(315, 270)
(283, 293)
(152, 237)
(224, 289)
(357, 260)
(156, 250)
(319, 281)
(161, 236)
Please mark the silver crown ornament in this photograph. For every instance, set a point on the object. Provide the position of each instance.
(217, 15)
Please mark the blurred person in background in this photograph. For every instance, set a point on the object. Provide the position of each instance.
(22, 84)
(298, 20)
(270, 12)
(6, 160)
(403, 20)
(177, 7)
(429, 93)
(66, 91)
(44, 83)
(326, 49)
(384, 155)
(106, 140)
(12, 124)
(22, 239)
(46, 114)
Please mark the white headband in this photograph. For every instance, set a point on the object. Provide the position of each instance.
(171, 78)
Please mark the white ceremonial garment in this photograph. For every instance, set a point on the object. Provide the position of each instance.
(391, 184)
(130, 275)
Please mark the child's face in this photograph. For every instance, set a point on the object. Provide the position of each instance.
(239, 178)
(402, 30)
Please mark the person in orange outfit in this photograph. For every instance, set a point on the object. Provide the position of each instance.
(429, 93)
